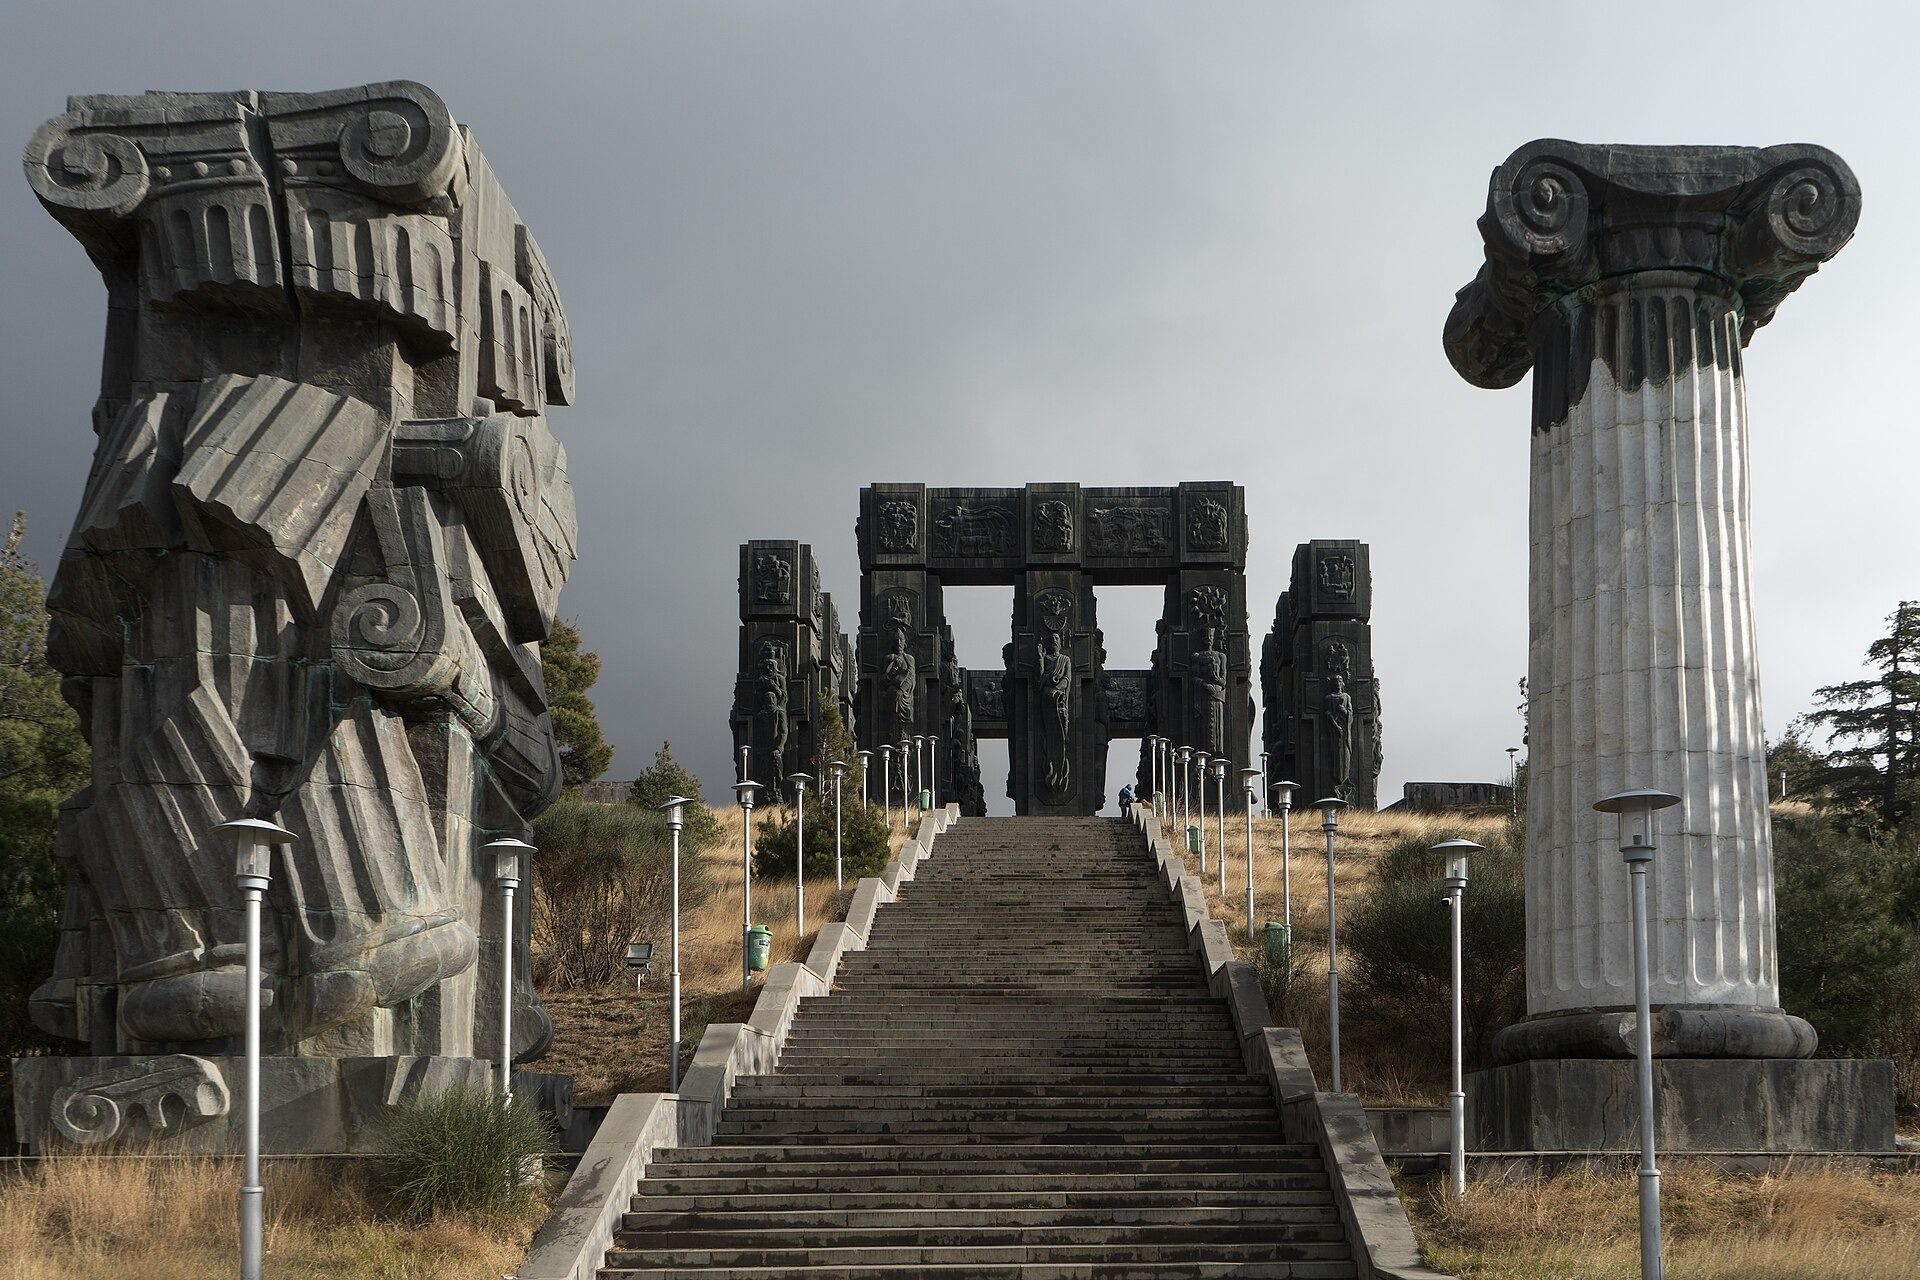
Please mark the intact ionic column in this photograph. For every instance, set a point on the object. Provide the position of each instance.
(1628, 279)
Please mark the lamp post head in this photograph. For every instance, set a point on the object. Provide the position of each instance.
(672, 807)
(1286, 790)
(1636, 807)
(1219, 768)
(863, 755)
(1455, 854)
(886, 752)
(506, 853)
(800, 781)
(839, 768)
(1250, 775)
(745, 791)
(1330, 807)
(1183, 753)
(254, 839)
(639, 955)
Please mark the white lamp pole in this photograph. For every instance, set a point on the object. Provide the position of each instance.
(745, 789)
(1247, 777)
(1183, 794)
(906, 782)
(254, 839)
(933, 770)
(1455, 852)
(1329, 821)
(865, 758)
(1266, 784)
(1636, 809)
(743, 764)
(920, 772)
(886, 785)
(1153, 773)
(1286, 790)
(672, 807)
(1200, 759)
(1220, 817)
(839, 768)
(799, 781)
(506, 874)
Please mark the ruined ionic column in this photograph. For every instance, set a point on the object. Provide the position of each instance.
(1629, 279)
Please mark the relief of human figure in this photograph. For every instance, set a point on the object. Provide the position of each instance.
(1338, 710)
(770, 712)
(899, 680)
(1054, 673)
(324, 533)
(1208, 670)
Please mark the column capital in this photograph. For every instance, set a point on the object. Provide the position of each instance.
(1564, 215)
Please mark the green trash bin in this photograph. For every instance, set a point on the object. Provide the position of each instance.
(759, 947)
(926, 800)
(1193, 839)
(1279, 941)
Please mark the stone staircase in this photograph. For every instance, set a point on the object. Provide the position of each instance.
(1024, 1075)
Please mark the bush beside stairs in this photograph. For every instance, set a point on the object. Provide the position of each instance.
(1025, 1073)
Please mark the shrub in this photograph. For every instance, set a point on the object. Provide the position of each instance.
(465, 1151)
(864, 841)
(601, 879)
(668, 778)
(1399, 955)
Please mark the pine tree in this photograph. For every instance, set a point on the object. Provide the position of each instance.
(668, 778)
(569, 672)
(1880, 718)
(43, 760)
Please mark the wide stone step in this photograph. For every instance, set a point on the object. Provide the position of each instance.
(894, 1219)
(978, 1255)
(1199, 1187)
(838, 1197)
(1106, 1236)
(1190, 1270)
(750, 1090)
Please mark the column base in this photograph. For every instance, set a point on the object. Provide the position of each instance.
(1679, 1031)
(192, 1103)
(1703, 1104)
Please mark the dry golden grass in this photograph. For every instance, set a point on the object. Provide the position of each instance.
(1816, 1224)
(175, 1218)
(1381, 1076)
(615, 1041)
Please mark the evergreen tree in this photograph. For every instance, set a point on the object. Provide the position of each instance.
(668, 777)
(569, 672)
(1880, 718)
(864, 837)
(43, 760)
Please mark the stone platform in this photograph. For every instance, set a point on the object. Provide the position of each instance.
(1705, 1104)
(185, 1103)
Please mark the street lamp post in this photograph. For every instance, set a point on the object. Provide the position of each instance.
(1330, 808)
(865, 758)
(1179, 757)
(1286, 789)
(1266, 784)
(1513, 780)
(906, 783)
(1220, 817)
(886, 785)
(920, 773)
(673, 807)
(1636, 809)
(745, 789)
(506, 873)
(799, 781)
(1153, 773)
(1247, 777)
(254, 839)
(1455, 852)
(839, 768)
(1200, 759)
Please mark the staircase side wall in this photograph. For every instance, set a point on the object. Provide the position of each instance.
(573, 1243)
(1382, 1239)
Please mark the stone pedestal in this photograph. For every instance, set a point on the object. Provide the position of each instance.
(308, 1106)
(1705, 1104)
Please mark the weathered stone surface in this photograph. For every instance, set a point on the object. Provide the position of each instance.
(1703, 1104)
(1629, 279)
(794, 661)
(308, 1105)
(1054, 699)
(325, 530)
(1322, 726)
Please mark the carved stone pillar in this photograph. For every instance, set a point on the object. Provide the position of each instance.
(1629, 279)
(1056, 748)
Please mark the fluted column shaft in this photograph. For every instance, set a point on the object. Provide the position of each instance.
(1642, 665)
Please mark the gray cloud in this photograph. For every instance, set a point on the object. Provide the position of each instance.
(809, 246)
